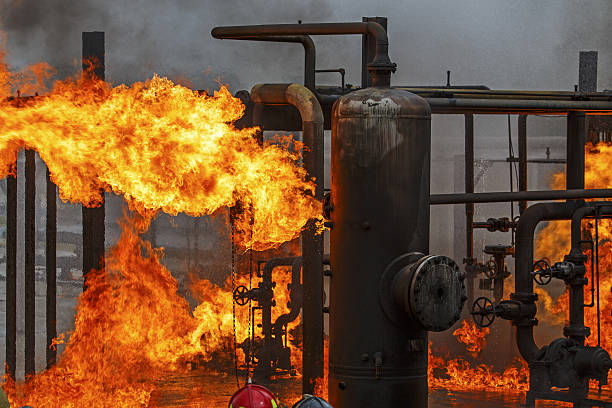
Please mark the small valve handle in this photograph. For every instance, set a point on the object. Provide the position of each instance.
(491, 270)
(483, 312)
(241, 295)
(542, 272)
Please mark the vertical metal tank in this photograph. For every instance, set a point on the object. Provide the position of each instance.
(383, 296)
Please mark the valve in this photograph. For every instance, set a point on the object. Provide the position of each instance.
(542, 272)
(491, 270)
(241, 295)
(483, 312)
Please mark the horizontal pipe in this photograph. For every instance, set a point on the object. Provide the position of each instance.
(381, 67)
(504, 105)
(498, 197)
(467, 93)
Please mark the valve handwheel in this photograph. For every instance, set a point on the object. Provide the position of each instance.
(491, 269)
(542, 273)
(241, 295)
(483, 312)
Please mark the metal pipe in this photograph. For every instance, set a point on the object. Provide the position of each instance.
(93, 218)
(528, 221)
(295, 299)
(469, 207)
(576, 139)
(381, 67)
(518, 106)
(312, 243)
(504, 196)
(486, 93)
(51, 261)
(522, 151)
(310, 52)
(341, 71)
(11, 274)
(30, 261)
(368, 50)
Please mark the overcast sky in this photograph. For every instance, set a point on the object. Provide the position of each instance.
(520, 44)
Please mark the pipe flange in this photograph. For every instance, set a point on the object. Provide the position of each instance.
(385, 295)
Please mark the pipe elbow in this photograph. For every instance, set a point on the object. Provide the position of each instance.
(306, 102)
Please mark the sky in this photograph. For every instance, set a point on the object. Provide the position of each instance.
(519, 44)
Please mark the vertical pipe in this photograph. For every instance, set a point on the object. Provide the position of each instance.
(469, 207)
(522, 147)
(11, 274)
(587, 71)
(30, 258)
(93, 218)
(51, 254)
(312, 261)
(368, 50)
(576, 136)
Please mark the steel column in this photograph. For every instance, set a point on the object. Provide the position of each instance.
(576, 138)
(522, 151)
(469, 207)
(11, 274)
(30, 260)
(51, 259)
(93, 218)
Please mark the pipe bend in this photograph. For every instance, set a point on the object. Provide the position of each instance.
(294, 94)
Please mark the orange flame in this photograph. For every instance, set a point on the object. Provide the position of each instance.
(553, 242)
(163, 147)
(472, 336)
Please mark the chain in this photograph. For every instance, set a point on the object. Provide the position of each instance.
(250, 353)
(231, 219)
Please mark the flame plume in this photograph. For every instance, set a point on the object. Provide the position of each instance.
(164, 148)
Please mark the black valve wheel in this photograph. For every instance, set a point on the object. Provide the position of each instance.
(491, 270)
(483, 312)
(542, 273)
(241, 295)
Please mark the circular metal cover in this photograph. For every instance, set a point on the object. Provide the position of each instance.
(437, 292)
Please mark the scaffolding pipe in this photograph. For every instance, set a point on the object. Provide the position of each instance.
(312, 243)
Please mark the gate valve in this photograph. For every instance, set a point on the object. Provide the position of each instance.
(563, 270)
(242, 295)
(483, 312)
(542, 273)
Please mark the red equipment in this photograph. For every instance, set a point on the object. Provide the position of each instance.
(253, 396)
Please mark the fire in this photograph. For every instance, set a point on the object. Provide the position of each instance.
(459, 374)
(472, 336)
(163, 147)
(553, 242)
